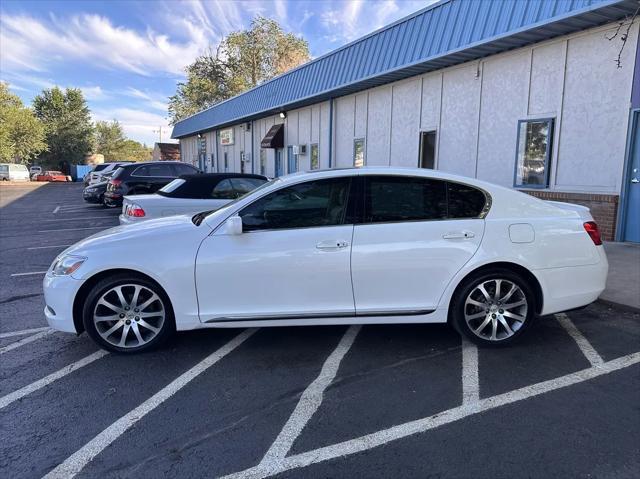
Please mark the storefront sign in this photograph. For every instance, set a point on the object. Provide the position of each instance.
(226, 137)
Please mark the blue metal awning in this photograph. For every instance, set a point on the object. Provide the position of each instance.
(444, 34)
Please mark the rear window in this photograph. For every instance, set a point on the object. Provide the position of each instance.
(100, 167)
(117, 173)
(465, 201)
(171, 187)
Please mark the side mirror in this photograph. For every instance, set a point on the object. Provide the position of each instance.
(233, 225)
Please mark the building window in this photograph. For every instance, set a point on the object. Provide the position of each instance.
(315, 157)
(428, 149)
(263, 161)
(226, 161)
(358, 152)
(292, 160)
(534, 153)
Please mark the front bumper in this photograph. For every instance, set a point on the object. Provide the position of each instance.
(59, 293)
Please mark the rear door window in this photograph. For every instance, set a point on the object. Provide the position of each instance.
(401, 198)
(223, 191)
(242, 186)
(156, 170)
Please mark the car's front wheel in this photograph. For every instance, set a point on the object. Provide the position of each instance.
(494, 308)
(128, 314)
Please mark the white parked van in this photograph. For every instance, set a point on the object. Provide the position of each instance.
(13, 172)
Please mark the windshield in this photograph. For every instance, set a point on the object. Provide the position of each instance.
(197, 219)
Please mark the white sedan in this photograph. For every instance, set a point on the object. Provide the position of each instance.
(189, 194)
(369, 245)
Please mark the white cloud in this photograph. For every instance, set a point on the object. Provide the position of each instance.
(139, 125)
(348, 21)
(153, 100)
(94, 93)
(30, 44)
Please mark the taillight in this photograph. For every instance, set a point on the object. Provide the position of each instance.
(135, 210)
(115, 182)
(592, 229)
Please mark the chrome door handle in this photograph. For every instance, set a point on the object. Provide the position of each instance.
(459, 235)
(332, 244)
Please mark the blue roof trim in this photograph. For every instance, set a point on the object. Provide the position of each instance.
(440, 35)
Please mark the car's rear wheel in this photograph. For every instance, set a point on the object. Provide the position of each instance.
(494, 308)
(128, 314)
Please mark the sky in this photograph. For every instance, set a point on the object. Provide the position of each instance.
(128, 56)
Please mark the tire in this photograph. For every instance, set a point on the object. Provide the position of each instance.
(114, 327)
(474, 313)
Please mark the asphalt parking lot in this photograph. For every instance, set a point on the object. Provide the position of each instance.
(371, 401)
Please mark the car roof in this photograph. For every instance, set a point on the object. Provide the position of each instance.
(219, 176)
(143, 163)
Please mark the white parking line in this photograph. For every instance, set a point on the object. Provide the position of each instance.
(470, 375)
(22, 333)
(26, 340)
(28, 389)
(583, 343)
(78, 460)
(75, 229)
(56, 209)
(418, 426)
(309, 403)
(50, 246)
(79, 218)
(13, 275)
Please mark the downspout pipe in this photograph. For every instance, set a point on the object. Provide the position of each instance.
(253, 157)
(330, 132)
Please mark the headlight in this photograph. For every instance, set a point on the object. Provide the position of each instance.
(67, 264)
(90, 190)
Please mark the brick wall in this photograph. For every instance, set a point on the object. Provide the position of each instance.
(604, 208)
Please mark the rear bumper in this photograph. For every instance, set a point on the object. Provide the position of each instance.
(92, 197)
(572, 287)
(112, 199)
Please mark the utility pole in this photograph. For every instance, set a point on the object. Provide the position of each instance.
(159, 130)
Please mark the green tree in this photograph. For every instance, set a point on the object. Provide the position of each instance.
(242, 61)
(109, 140)
(21, 133)
(68, 127)
(131, 150)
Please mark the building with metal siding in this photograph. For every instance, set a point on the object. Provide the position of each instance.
(462, 76)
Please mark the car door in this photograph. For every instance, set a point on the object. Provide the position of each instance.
(160, 175)
(291, 261)
(414, 236)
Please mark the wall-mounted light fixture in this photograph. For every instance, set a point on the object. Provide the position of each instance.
(199, 135)
(283, 114)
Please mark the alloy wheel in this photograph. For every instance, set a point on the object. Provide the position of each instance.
(129, 315)
(495, 309)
